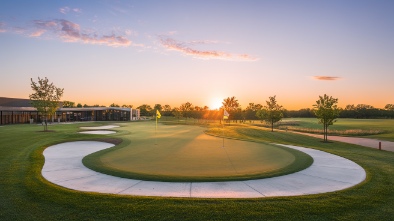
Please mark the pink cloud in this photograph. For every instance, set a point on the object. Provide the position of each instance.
(326, 78)
(2, 27)
(37, 33)
(184, 48)
(71, 32)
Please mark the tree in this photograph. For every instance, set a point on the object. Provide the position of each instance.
(177, 113)
(389, 107)
(145, 109)
(167, 108)
(68, 104)
(114, 105)
(326, 110)
(79, 105)
(231, 105)
(158, 107)
(186, 108)
(271, 113)
(45, 98)
(127, 105)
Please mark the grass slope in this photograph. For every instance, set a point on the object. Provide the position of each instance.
(182, 153)
(25, 195)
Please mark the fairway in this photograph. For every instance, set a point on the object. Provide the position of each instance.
(185, 153)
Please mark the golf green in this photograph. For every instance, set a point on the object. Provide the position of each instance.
(186, 153)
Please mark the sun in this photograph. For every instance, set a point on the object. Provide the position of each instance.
(215, 103)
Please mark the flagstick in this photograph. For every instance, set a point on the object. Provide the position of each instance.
(223, 133)
(156, 131)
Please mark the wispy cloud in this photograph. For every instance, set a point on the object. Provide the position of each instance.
(326, 78)
(2, 27)
(185, 48)
(71, 32)
(65, 10)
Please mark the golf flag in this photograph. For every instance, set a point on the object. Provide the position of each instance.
(225, 115)
(158, 115)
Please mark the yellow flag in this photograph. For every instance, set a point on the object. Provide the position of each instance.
(158, 115)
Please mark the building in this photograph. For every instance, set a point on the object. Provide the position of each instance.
(15, 110)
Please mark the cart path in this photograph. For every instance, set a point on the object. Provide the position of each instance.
(63, 166)
(366, 142)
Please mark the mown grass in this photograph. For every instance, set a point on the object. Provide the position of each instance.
(369, 128)
(183, 153)
(25, 195)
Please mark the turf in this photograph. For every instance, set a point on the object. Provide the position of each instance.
(25, 195)
(384, 128)
(183, 153)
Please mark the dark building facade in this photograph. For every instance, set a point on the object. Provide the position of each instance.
(16, 111)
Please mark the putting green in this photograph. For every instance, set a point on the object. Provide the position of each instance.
(185, 153)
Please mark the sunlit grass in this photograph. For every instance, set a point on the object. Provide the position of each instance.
(26, 195)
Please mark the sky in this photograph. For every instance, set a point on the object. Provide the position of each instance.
(173, 52)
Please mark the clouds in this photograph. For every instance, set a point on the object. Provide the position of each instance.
(326, 78)
(2, 27)
(186, 48)
(71, 32)
(65, 10)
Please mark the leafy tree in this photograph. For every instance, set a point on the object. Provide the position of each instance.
(145, 109)
(79, 105)
(158, 107)
(114, 105)
(68, 104)
(231, 105)
(271, 113)
(186, 108)
(45, 98)
(389, 107)
(326, 110)
(177, 113)
(127, 105)
(167, 107)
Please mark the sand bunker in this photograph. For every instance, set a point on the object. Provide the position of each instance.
(99, 127)
(97, 132)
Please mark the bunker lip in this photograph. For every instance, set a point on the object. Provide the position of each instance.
(99, 127)
(63, 166)
(102, 132)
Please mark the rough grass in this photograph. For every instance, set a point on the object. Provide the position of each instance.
(25, 195)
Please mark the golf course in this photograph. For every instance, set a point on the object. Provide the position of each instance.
(26, 195)
(185, 153)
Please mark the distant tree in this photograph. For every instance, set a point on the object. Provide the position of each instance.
(231, 105)
(167, 107)
(326, 110)
(389, 107)
(79, 105)
(177, 113)
(45, 98)
(127, 105)
(114, 105)
(85, 105)
(145, 110)
(186, 109)
(271, 113)
(158, 107)
(68, 104)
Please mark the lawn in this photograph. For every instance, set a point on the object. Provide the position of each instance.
(25, 195)
(183, 153)
(369, 128)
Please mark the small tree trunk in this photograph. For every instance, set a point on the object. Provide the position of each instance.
(272, 126)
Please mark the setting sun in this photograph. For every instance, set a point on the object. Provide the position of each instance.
(215, 103)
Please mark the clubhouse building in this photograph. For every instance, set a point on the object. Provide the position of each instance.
(17, 111)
